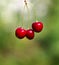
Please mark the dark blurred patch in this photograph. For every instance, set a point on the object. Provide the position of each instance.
(47, 40)
(55, 60)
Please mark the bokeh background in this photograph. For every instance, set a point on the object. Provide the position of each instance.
(44, 48)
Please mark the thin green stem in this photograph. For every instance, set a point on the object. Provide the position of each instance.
(23, 17)
(35, 14)
(28, 12)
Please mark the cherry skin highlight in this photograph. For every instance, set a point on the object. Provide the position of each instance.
(20, 33)
(30, 34)
(37, 26)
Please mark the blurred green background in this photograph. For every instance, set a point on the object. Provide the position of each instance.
(44, 48)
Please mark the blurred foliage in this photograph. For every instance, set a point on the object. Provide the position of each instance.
(43, 50)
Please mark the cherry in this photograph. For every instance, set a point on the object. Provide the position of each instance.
(30, 34)
(37, 26)
(20, 32)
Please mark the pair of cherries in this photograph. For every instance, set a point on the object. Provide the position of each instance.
(21, 32)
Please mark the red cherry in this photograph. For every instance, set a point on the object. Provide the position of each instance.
(20, 33)
(30, 34)
(37, 26)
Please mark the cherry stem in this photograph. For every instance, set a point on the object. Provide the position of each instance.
(22, 20)
(23, 13)
(27, 8)
(35, 14)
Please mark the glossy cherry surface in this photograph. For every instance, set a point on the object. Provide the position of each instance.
(20, 32)
(30, 34)
(37, 26)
